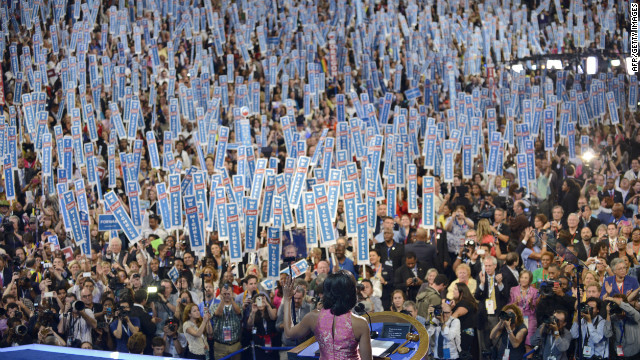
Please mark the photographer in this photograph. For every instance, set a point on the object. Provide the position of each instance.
(227, 323)
(470, 254)
(9, 239)
(553, 297)
(124, 325)
(444, 333)
(594, 343)
(510, 333)
(552, 337)
(623, 325)
(76, 322)
(17, 334)
(163, 304)
(409, 277)
(175, 342)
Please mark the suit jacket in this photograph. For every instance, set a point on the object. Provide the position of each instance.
(425, 252)
(593, 224)
(629, 283)
(146, 325)
(617, 195)
(395, 254)
(439, 240)
(508, 279)
(502, 299)
(581, 251)
(7, 274)
(403, 273)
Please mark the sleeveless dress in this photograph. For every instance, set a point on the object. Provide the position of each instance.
(339, 346)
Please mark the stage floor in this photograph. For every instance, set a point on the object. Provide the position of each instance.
(35, 351)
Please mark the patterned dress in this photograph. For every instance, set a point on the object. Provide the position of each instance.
(339, 346)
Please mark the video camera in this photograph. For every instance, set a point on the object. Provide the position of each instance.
(153, 293)
(547, 287)
(437, 310)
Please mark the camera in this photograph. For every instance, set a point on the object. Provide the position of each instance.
(7, 225)
(506, 316)
(122, 313)
(153, 293)
(171, 323)
(546, 287)
(359, 287)
(47, 318)
(614, 308)
(21, 330)
(78, 305)
(437, 310)
(17, 315)
(551, 320)
(469, 242)
(585, 309)
(3, 312)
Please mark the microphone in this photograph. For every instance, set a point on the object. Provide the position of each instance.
(359, 309)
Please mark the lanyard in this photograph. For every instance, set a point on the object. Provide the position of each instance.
(621, 287)
(622, 327)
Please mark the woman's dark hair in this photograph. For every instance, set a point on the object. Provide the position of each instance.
(465, 295)
(339, 292)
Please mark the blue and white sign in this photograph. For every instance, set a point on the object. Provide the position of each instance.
(428, 197)
(116, 208)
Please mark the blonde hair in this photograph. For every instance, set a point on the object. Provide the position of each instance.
(484, 228)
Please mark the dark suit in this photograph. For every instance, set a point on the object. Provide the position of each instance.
(7, 274)
(395, 254)
(387, 290)
(425, 253)
(582, 252)
(486, 322)
(509, 280)
(403, 273)
(592, 224)
(617, 195)
(147, 327)
(439, 240)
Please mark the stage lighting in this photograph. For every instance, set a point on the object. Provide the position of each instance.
(615, 62)
(592, 65)
(554, 64)
(627, 62)
(534, 67)
(517, 68)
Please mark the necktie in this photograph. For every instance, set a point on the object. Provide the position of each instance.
(440, 345)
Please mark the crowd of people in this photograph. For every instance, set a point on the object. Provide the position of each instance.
(505, 269)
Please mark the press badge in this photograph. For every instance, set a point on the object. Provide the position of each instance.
(619, 350)
(506, 354)
(526, 321)
(587, 351)
(491, 307)
(446, 353)
(226, 332)
(388, 263)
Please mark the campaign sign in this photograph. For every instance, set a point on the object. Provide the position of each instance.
(233, 229)
(175, 199)
(494, 148)
(531, 161)
(349, 195)
(298, 181)
(412, 188)
(81, 194)
(549, 129)
(298, 268)
(333, 192)
(116, 208)
(430, 147)
(85, 244)
(311, 230)
(153, 150)
(613, 110)
(164, 208)
(8, 179)
(448, 160)
(250, 224)
(324, 217)
(371, 203)
(173, 274)
(258, 179)
(220, 211)
(267, 202)
(221, 151)
(363, 234)
(467, 158)
(268, 284)
(108, 222)
(281, 190)
(273, 245)
(46, 154)
(134, 202)
(428, 196)
(523, 178)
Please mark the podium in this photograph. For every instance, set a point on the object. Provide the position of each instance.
(308, 349)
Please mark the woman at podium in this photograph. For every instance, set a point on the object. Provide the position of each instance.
(340, 334)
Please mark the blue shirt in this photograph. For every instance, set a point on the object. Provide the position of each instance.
(346, 265)
(121, 344)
